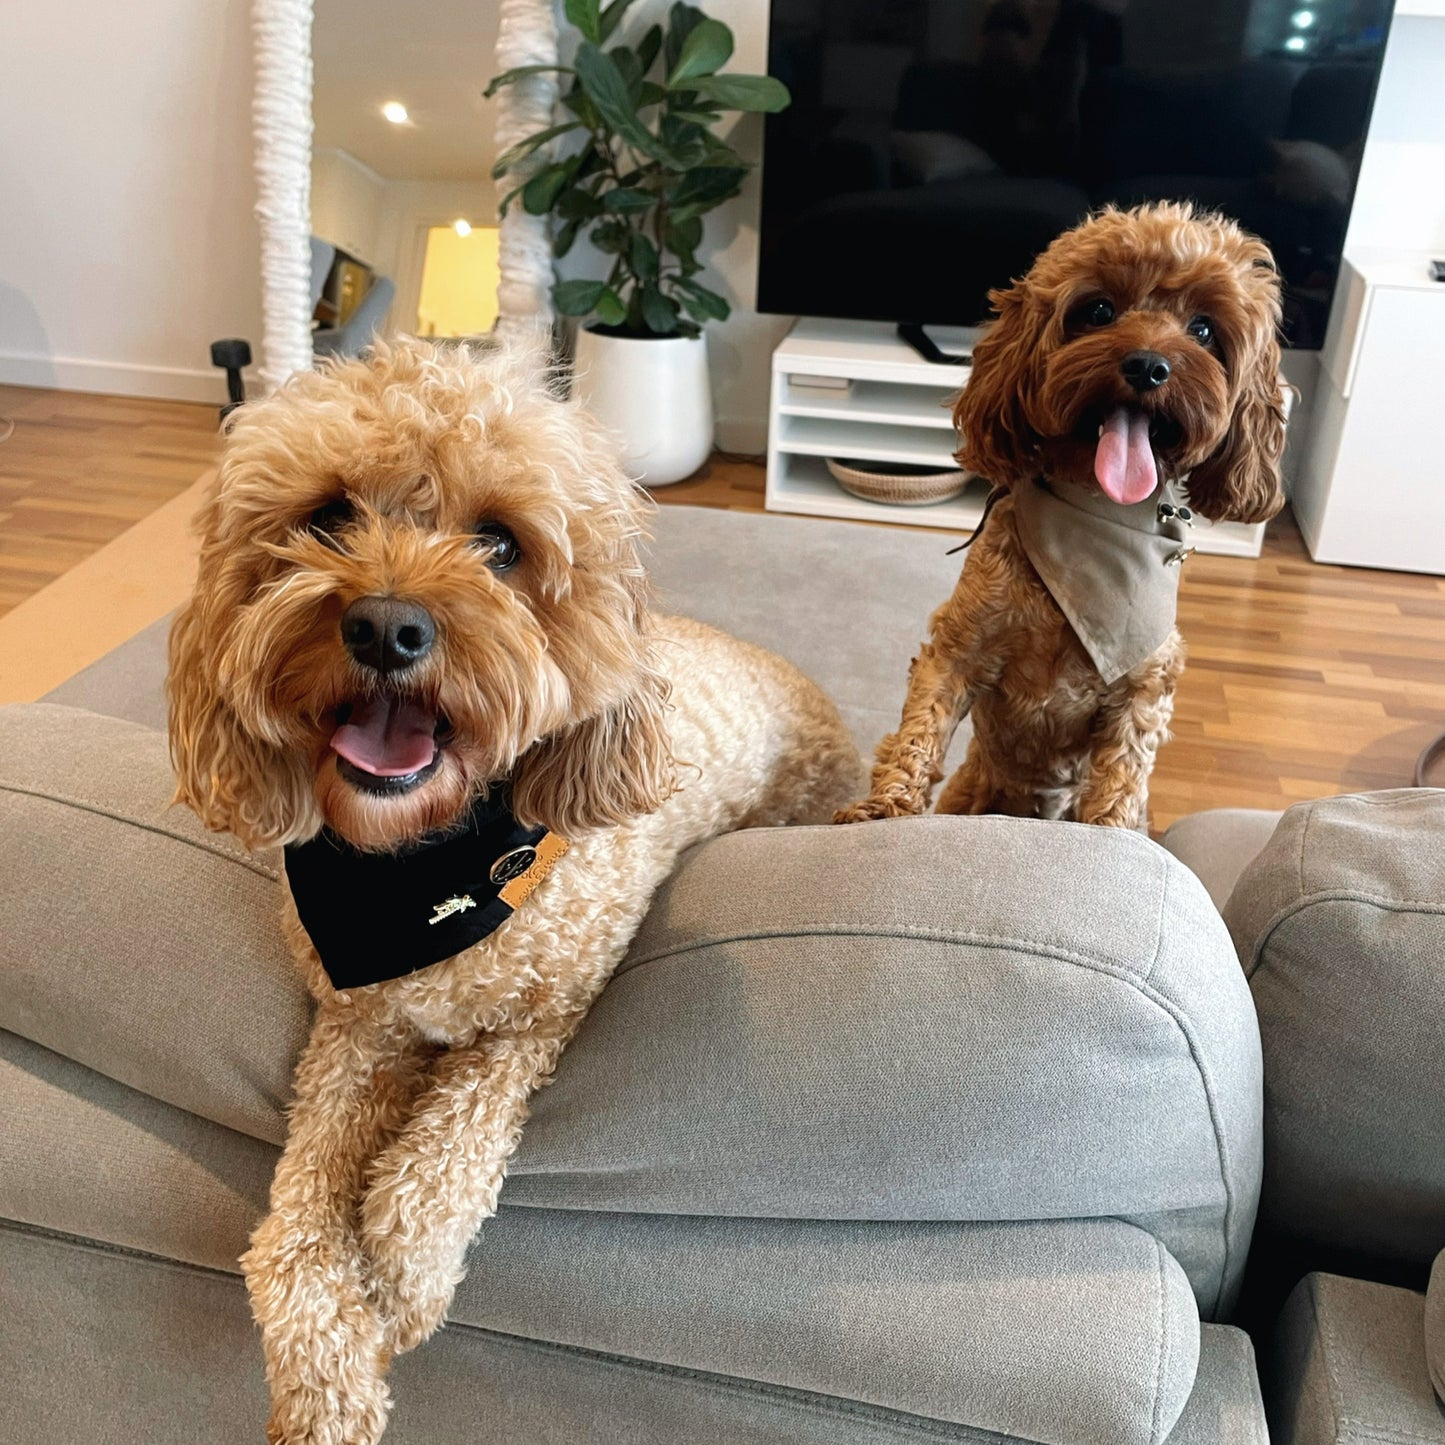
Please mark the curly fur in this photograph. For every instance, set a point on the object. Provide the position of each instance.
(1049, 737)
(630, 735)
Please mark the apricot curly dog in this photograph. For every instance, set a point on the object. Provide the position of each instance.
(419, 654)
(1130, 381)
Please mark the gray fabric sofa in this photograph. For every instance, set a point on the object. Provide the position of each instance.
(939, 1129)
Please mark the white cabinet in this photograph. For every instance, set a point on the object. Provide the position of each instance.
(1371, 490)
(895, 409)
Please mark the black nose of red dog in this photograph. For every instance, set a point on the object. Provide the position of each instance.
(387, 634)
(1144, 370)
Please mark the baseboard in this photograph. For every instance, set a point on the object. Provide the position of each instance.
(113, 378)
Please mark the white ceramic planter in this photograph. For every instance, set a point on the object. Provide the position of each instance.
(655, 395)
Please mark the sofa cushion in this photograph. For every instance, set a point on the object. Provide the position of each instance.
(1348, 1367)
(135, 942)
(1218, 845)
(1064, 1331)
(932, 1019)
(1340, 925)
(1224, 1407)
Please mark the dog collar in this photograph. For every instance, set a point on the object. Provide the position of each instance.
(376, 916)
(1112, 569)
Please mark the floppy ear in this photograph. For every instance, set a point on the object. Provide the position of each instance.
(995, 438)
(604, 770)
(1241, 481)
(233, 781)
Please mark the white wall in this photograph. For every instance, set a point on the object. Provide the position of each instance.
(127, 242)
(347, 199)
(1400, 202)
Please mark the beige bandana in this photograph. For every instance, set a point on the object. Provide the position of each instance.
(1113, 569)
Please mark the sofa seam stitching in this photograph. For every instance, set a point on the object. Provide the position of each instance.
(88, 805)
(1333, 895)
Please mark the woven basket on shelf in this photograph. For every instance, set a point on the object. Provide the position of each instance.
(898, 485)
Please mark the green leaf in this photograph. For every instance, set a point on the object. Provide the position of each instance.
(702, 304)
(524, 148)
(610, 310)
(631, 69)
(686, 142)
(577, 298)
(563, 241)
(583, 14)
(682, 238)
(703, 118)
(607, 87)
(658, 312)
(644, 257)
(719, 153)
(541, 192)
(706, 183)
(520, 72)
(577, 102)
(612, 236)
(744, 92)
(682, 20)
(627, 201)
(708, 47)
(611, 18)
(648, 47)
(578, 205)
(650, 94)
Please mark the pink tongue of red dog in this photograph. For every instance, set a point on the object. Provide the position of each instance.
(1124, 462)
(387, 736)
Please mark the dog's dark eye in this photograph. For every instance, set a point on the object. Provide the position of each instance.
(330, 518)
(1099, 312)
(1201, 329)
(499, 544)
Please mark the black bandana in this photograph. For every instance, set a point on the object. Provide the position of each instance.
(375, 916)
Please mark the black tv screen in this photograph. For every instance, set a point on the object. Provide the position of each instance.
(934, 147)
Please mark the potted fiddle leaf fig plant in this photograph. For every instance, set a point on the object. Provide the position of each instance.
(634, 162)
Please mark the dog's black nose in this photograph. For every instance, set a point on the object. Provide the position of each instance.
(386, 633)
(1144, 370)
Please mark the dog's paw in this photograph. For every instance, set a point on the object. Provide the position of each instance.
(346, 1413)
(873, 808)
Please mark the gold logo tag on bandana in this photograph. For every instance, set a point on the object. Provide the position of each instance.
(519, 886)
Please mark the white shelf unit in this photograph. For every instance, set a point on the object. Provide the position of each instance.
(896, 409)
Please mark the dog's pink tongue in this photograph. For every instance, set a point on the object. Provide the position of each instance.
(387, 736)
(1124, 462)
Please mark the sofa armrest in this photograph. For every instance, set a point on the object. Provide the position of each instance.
(1340, 926)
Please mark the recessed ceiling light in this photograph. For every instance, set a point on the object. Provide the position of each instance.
(1302, 19)
(462, 226)
(1295, 42)
(395, 112)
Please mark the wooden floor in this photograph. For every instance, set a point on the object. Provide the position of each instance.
(78, 470)
(1303, 680)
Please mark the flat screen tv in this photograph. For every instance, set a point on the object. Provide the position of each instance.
(934, 147)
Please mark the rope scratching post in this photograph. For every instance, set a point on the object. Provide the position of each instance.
(281, 128)
(527, 36)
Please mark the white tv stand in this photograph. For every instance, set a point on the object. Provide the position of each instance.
(896, 410)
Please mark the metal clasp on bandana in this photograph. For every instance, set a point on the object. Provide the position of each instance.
(458, 904)
(1176, 559)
